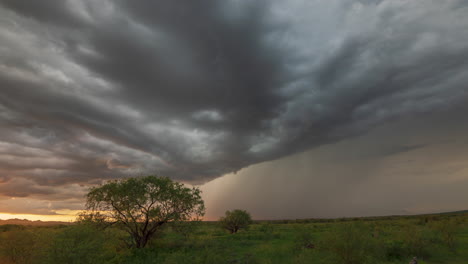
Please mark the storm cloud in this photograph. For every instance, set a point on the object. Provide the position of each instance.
(413, 165)
(96, 90)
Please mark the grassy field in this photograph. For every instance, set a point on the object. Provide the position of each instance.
(433, 239)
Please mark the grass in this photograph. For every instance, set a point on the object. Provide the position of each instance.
(435, 239)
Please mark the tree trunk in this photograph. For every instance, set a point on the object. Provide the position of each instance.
(141, 242)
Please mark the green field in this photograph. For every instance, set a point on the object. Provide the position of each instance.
(432, 238)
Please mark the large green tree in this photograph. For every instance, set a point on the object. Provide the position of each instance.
(142, 205)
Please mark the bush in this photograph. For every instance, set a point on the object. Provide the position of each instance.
(268, 231)
(418, 241)
(447, 230)
(303, 238)
(235, 220)
(395, 250)
(350, 243)
(10, 227)
(80, 244)
(185, 228)
(19, 246)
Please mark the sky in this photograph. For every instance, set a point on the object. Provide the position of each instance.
(285, 108)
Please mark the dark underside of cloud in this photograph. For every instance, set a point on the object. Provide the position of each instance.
(93, 90)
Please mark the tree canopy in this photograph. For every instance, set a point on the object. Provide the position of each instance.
(235, 220)
(142, 205)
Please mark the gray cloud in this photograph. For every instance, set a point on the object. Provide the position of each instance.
(420, 169)
(193, 90)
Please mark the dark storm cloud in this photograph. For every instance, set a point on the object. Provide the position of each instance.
(411, 166)
(196, 89)
(48, 11)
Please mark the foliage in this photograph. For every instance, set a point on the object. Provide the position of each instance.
(350, 243)
(418, 240)
(235, 220)
(447, 230)
(304, 238)
(19, 246)
(80, 244)
(385, 240)
(10, 227)
(142, 205)
(185, 228)
(395, 249)
(268, 230)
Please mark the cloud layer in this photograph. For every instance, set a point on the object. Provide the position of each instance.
(414, 165)
(196, 89)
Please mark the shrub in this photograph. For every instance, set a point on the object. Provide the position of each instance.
(395, 249)
(19, 246)
(185, 228)
(303, 238)
(11, 227)
(418, 240)
(350, 243)
(80, 244)
(447, 230)
(268, 231)
(235, 220)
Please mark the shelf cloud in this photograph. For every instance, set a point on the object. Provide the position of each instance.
(97, 90)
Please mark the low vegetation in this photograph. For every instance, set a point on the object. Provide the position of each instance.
(385, 240)
(155, 220)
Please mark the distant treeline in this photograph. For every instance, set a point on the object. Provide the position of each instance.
(422, 217)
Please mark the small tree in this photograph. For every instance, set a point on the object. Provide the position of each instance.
(235, 220)
(142, 205)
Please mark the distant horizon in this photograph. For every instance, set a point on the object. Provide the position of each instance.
(279, 219)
